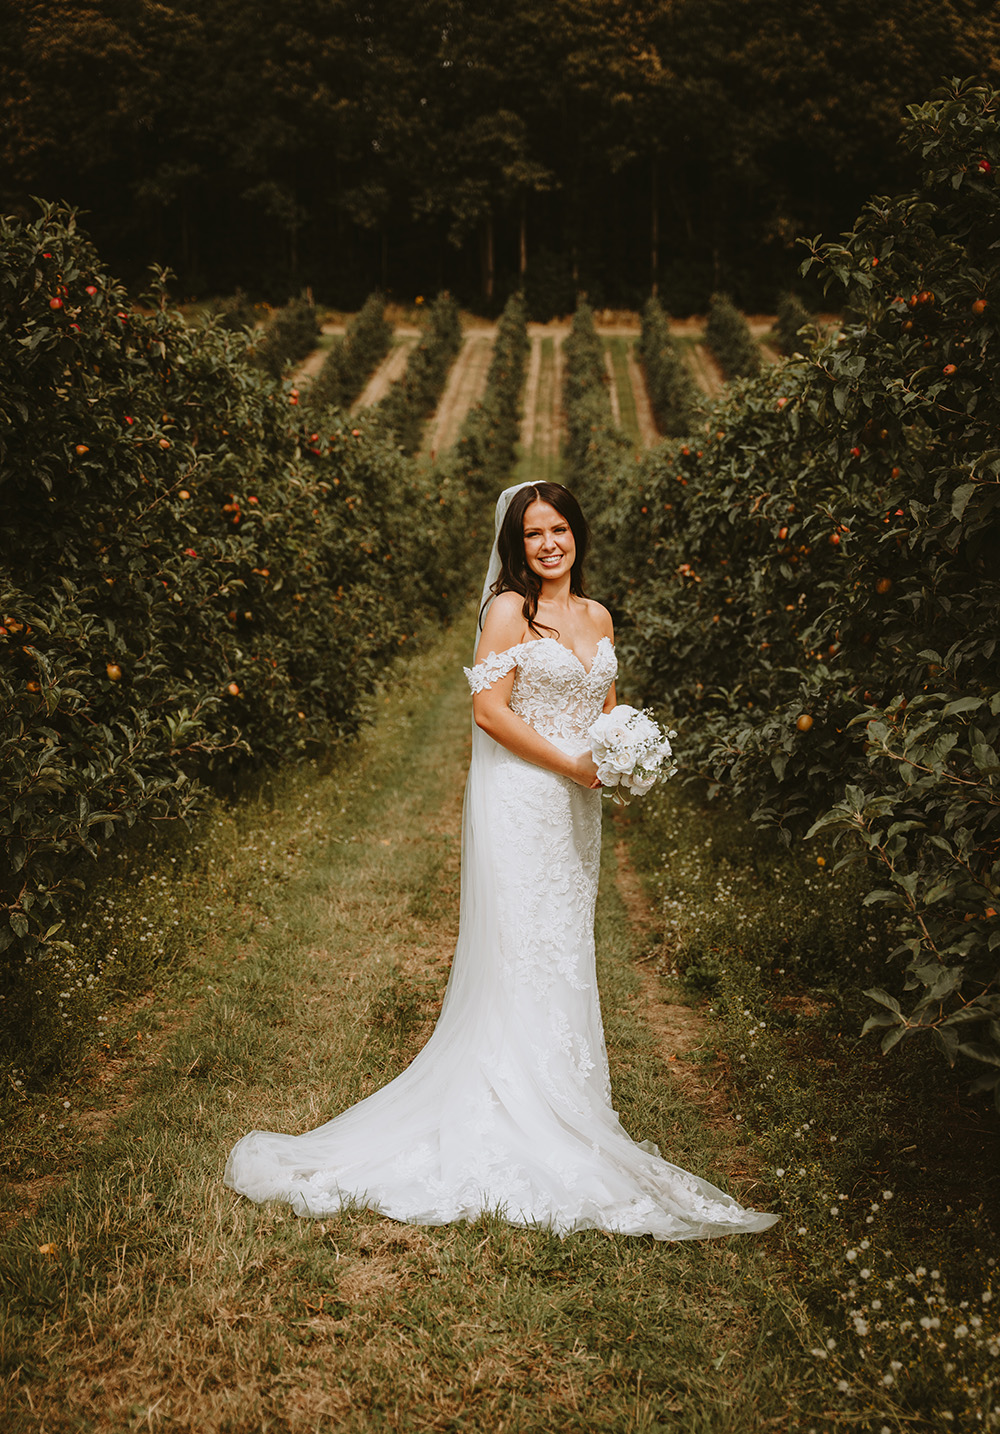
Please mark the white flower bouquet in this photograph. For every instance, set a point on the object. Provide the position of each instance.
(630, 750)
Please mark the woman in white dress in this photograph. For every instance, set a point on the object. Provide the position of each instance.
(507, 1109)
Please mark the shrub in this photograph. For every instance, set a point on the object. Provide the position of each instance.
(728, 335)
(289, 335)
(793, 317)
(414, 397)
(352, 359)
(188, 583)
(673, 393)
(236, 313)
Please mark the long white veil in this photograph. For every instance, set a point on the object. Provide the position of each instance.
(469, 985)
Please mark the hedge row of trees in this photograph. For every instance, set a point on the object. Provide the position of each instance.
(810, 585)
(474, 146)
(193, 577)
(414, 397)
(353, 359)
(673, 393)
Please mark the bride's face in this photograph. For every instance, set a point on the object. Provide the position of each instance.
(549, 545)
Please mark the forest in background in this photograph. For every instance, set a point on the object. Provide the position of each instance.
(595, 145)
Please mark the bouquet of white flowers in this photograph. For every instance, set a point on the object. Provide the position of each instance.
(629, 749)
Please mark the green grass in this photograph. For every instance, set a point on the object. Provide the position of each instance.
(618, 347)
(315, 922)
(543, 463)
(140, 1292)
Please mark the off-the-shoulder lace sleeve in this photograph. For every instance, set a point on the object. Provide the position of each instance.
(491, 669)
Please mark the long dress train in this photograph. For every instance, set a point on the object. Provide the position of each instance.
(508, 1106)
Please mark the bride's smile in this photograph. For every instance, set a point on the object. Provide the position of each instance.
(549, 545)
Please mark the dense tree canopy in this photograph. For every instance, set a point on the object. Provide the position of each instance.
(593, 143)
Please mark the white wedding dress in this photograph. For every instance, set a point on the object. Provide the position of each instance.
(507, 1109)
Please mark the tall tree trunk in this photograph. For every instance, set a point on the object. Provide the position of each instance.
(654, 227)
(523, 237)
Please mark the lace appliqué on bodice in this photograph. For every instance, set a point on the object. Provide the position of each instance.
(553, 691)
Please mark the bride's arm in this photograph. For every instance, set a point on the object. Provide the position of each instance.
(491, 707)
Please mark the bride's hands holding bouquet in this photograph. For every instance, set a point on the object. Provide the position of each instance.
(629, 750)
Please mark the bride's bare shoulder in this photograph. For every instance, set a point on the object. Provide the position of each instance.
(600, 617)
(503, 626)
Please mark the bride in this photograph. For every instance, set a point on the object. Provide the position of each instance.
(507, 1109)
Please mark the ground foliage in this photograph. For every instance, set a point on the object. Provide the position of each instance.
(190, 583)
(812, 589)
(889, 1204)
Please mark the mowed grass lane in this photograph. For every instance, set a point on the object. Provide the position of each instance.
(143, 1294)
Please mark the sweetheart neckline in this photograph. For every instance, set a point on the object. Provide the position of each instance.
(586, 670)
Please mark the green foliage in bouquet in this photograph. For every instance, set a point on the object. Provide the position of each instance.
(188, 581)
(673, 393)
(814, 590)
(728, 335)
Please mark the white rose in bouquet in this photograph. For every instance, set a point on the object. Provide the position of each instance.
(629, 751)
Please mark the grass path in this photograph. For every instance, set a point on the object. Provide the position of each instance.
(141, 1294)
(542, 422)
(465, 387)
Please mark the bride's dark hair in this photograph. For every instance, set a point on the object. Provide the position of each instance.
(515, 574)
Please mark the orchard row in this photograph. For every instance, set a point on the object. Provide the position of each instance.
(808, 582)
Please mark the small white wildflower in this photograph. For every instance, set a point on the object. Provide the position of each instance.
(779, 1172)
(865, 1274)
(851, 1255)
(834, 1209)
(861, 1325)
(888, 1379)
(961, 1330)
(920, 1272)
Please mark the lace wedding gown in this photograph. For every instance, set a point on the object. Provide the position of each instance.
(508, 1106)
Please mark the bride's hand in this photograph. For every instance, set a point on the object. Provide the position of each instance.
(585, 772)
